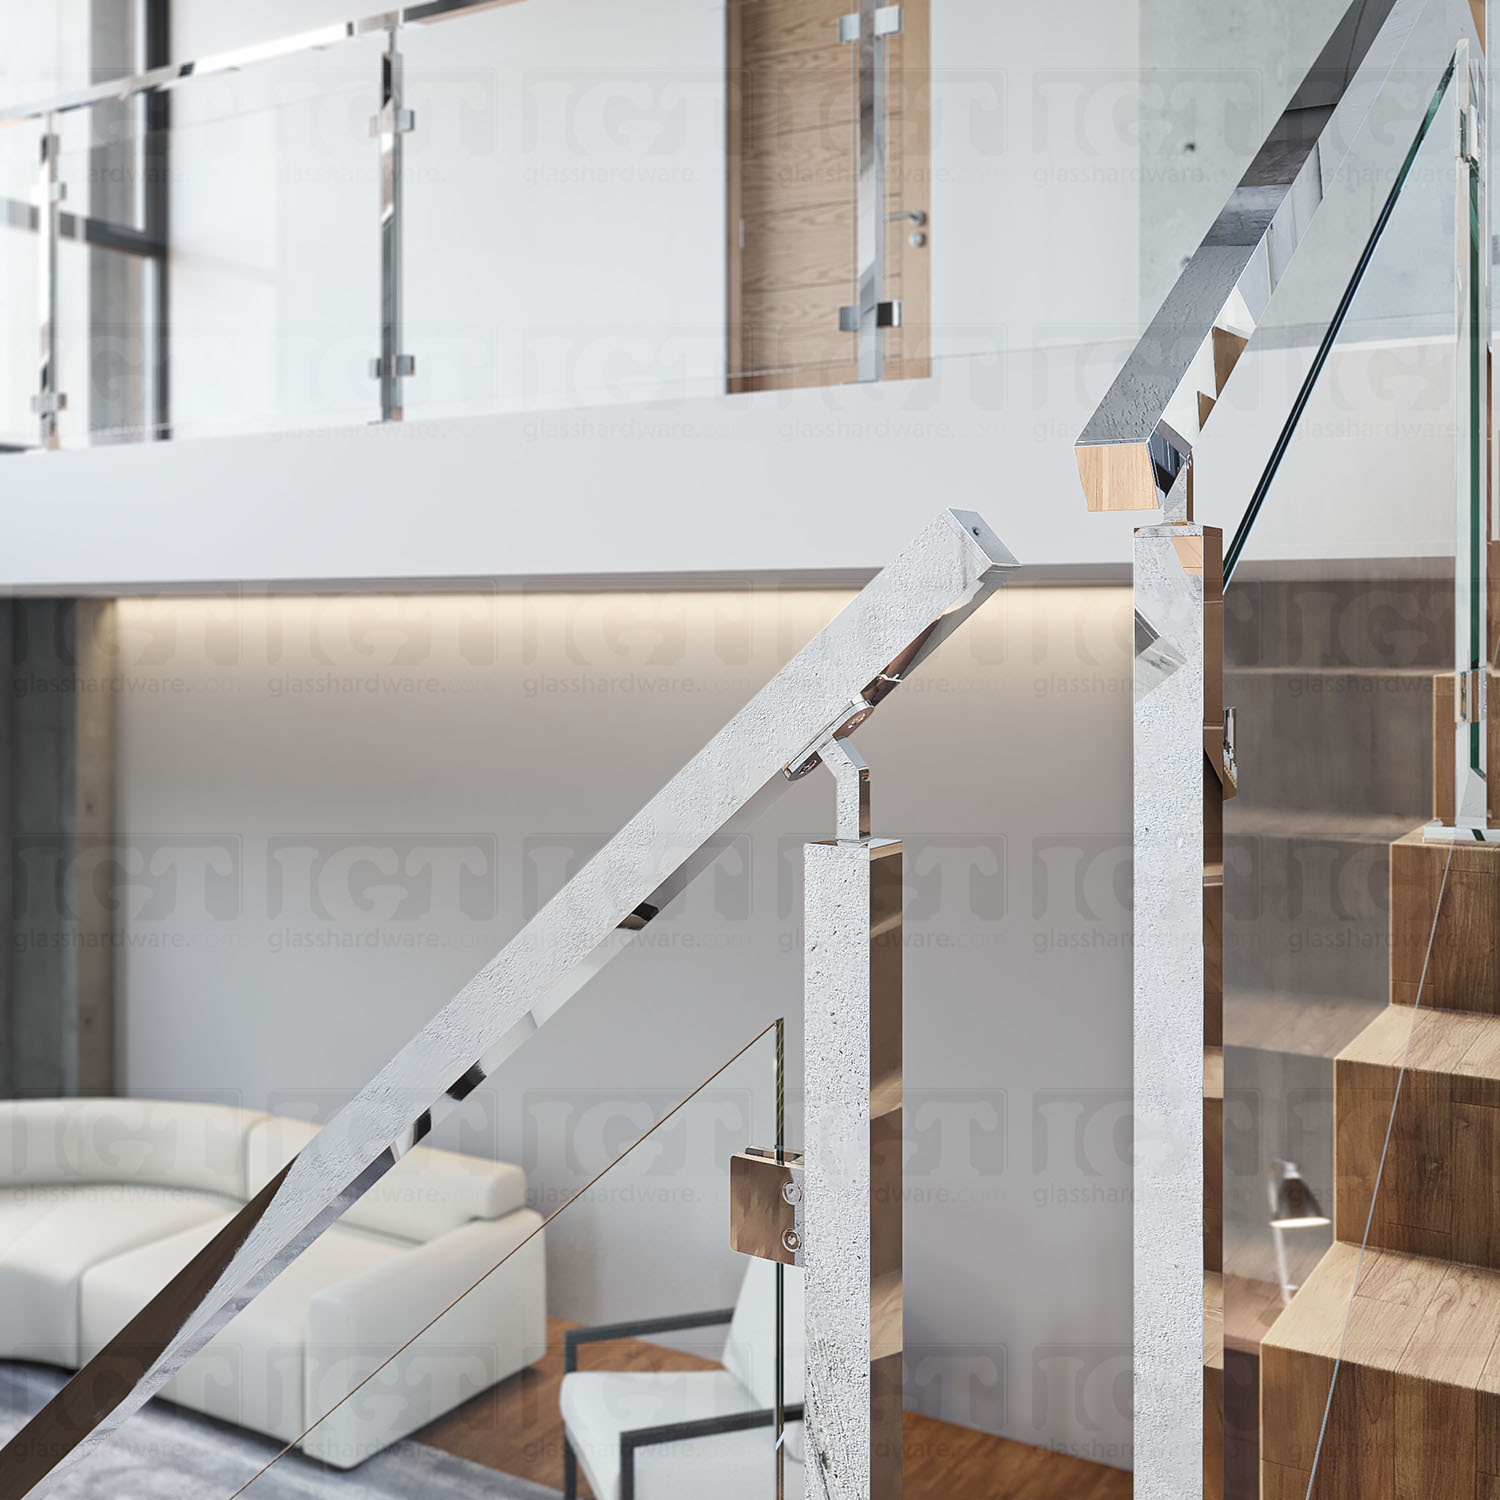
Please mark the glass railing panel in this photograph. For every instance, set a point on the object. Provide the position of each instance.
(588, 210)
(643, 1243)
(107, 344)
(111, 254)
(274, 254)
(20, 334)
(565, 238)
(1338, 621)
(420, 1347)
(258, 308)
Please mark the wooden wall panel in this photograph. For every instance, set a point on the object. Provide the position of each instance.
(792, 193)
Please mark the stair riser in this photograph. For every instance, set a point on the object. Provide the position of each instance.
(1396, 623)
(1445, 925)
(1440, 1191)
(1306, 915)
(1334, 743)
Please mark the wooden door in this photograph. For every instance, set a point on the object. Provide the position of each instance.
(792, 190)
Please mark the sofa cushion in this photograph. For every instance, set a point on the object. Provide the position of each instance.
(253, 1372)
(194, 1146)
(466, 1310)
(51, 1236)
(598, 1405)
(427, 1193)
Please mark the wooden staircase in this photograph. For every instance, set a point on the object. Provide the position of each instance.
(1415, 1409)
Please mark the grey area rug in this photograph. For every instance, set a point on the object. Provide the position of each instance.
(166, 1453)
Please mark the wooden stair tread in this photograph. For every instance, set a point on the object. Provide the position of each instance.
(1213, 1073)
(1300, 1025)
(1213, 1320)
(1462, 1043)
(1250, 1308)
(1431, 1320)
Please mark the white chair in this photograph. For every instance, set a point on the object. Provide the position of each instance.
(689, 1435)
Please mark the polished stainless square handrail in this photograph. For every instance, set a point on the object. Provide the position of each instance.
(1135, 452)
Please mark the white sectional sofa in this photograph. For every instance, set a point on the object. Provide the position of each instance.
(102, 1201)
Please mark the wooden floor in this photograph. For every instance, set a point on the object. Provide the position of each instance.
(515, 1427)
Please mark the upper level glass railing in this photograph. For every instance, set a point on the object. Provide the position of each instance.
(461, 209)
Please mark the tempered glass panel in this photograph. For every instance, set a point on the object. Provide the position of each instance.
(107, 338)
(422, 1338)
(565, 234)
(20, 323)
(275, 268)
(1338, 620)
(644, 1240)
(106, 170)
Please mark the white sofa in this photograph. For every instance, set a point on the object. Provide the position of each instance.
(102, 1201)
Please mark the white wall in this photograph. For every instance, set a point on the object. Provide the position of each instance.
(266, 747)
(1035, 176)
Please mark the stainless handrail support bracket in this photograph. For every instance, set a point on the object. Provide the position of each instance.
(871, 313)
(390, 127)
(49, 401)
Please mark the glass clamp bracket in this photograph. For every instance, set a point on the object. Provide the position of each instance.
(765, 1205)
